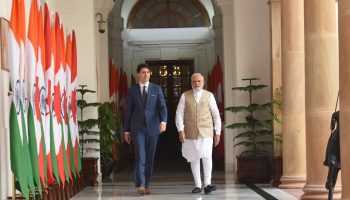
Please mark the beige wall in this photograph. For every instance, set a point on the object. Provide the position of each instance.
(83, 24)
(246, 49)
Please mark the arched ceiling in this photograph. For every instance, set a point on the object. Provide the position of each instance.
(167, 13)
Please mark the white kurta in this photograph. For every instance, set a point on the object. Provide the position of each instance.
(195, 149)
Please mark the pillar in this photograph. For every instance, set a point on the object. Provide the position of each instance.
(321, 89)
(276, 70)
(344, 99)
(293, 81)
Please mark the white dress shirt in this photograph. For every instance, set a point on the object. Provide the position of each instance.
(141, 86)
(195, 149)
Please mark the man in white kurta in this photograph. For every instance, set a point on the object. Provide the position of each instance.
(195, 115)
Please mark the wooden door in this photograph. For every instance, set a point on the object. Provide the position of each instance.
(174, 76)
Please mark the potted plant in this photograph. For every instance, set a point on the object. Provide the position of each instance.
(87, 137)
(109, 124)
(277, 137)
(253, 162)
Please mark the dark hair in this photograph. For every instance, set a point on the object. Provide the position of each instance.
(142, 65)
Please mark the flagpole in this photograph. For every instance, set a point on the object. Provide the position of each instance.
(13, 187)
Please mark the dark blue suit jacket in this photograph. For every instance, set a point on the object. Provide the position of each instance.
(137, 115)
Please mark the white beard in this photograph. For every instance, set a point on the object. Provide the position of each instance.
(198, 89)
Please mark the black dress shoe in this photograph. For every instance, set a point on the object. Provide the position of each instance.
(209, 188)
(212, 187)
(197, 190)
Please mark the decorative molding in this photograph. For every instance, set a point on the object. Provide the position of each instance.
(177, 43)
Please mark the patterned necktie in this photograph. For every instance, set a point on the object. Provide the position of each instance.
(144, 94)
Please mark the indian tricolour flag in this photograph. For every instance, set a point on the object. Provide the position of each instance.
(40, 96)
(58, 94)
(74, 124)
(63, 83)
(19, 151)
(69, 90)
(34, 125)
(50, 49)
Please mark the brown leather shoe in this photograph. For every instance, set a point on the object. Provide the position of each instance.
(148, 191)
(142, 190)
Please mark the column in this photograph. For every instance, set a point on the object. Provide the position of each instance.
(344, 99)
(293, 81)
(229, 71)
(321, 89)
(276, 70)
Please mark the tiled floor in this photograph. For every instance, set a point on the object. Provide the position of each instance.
(176, 184)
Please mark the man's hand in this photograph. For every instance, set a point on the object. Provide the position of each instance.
(127, 137)
(162, 127)
(216, 140)
(182, 136)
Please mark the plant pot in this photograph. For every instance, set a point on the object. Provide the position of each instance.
(107, 165)
(253, 169)
(89, 171)
(277, 171)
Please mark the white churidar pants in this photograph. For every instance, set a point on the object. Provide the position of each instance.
(194, 150)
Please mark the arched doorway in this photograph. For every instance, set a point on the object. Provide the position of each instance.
(164, 33)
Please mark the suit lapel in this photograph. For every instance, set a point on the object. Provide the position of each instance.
(149, 92)
(139, 93)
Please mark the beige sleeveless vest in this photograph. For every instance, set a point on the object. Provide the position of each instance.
(197, 117)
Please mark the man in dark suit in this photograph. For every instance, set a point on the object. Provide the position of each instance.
(145, 119)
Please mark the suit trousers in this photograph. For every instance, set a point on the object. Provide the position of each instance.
(145, 147)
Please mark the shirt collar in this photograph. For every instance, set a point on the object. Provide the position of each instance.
(146, 84)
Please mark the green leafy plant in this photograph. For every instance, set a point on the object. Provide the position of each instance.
(86, 125)
(109, 123)
(253, 128)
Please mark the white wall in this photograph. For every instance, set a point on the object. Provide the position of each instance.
(253, 56)
(246, 53)
(103, 7)
(253, 43)
(80, 16)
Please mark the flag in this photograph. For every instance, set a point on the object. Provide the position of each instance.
(49, 78)
(63, 83)
(122, 90)
(112, 81)
(16, 59)
(70, 88)
(75, 132)
(40, 96)
(57, 101)
(219, 151)
(34, 125)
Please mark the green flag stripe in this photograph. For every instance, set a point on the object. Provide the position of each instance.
(53, 152)
(43, 144)
(65, 160)
(71, 152)
(16, 152)
(33, 148)
(27, 159)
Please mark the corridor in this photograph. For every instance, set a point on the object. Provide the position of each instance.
(174, 181)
